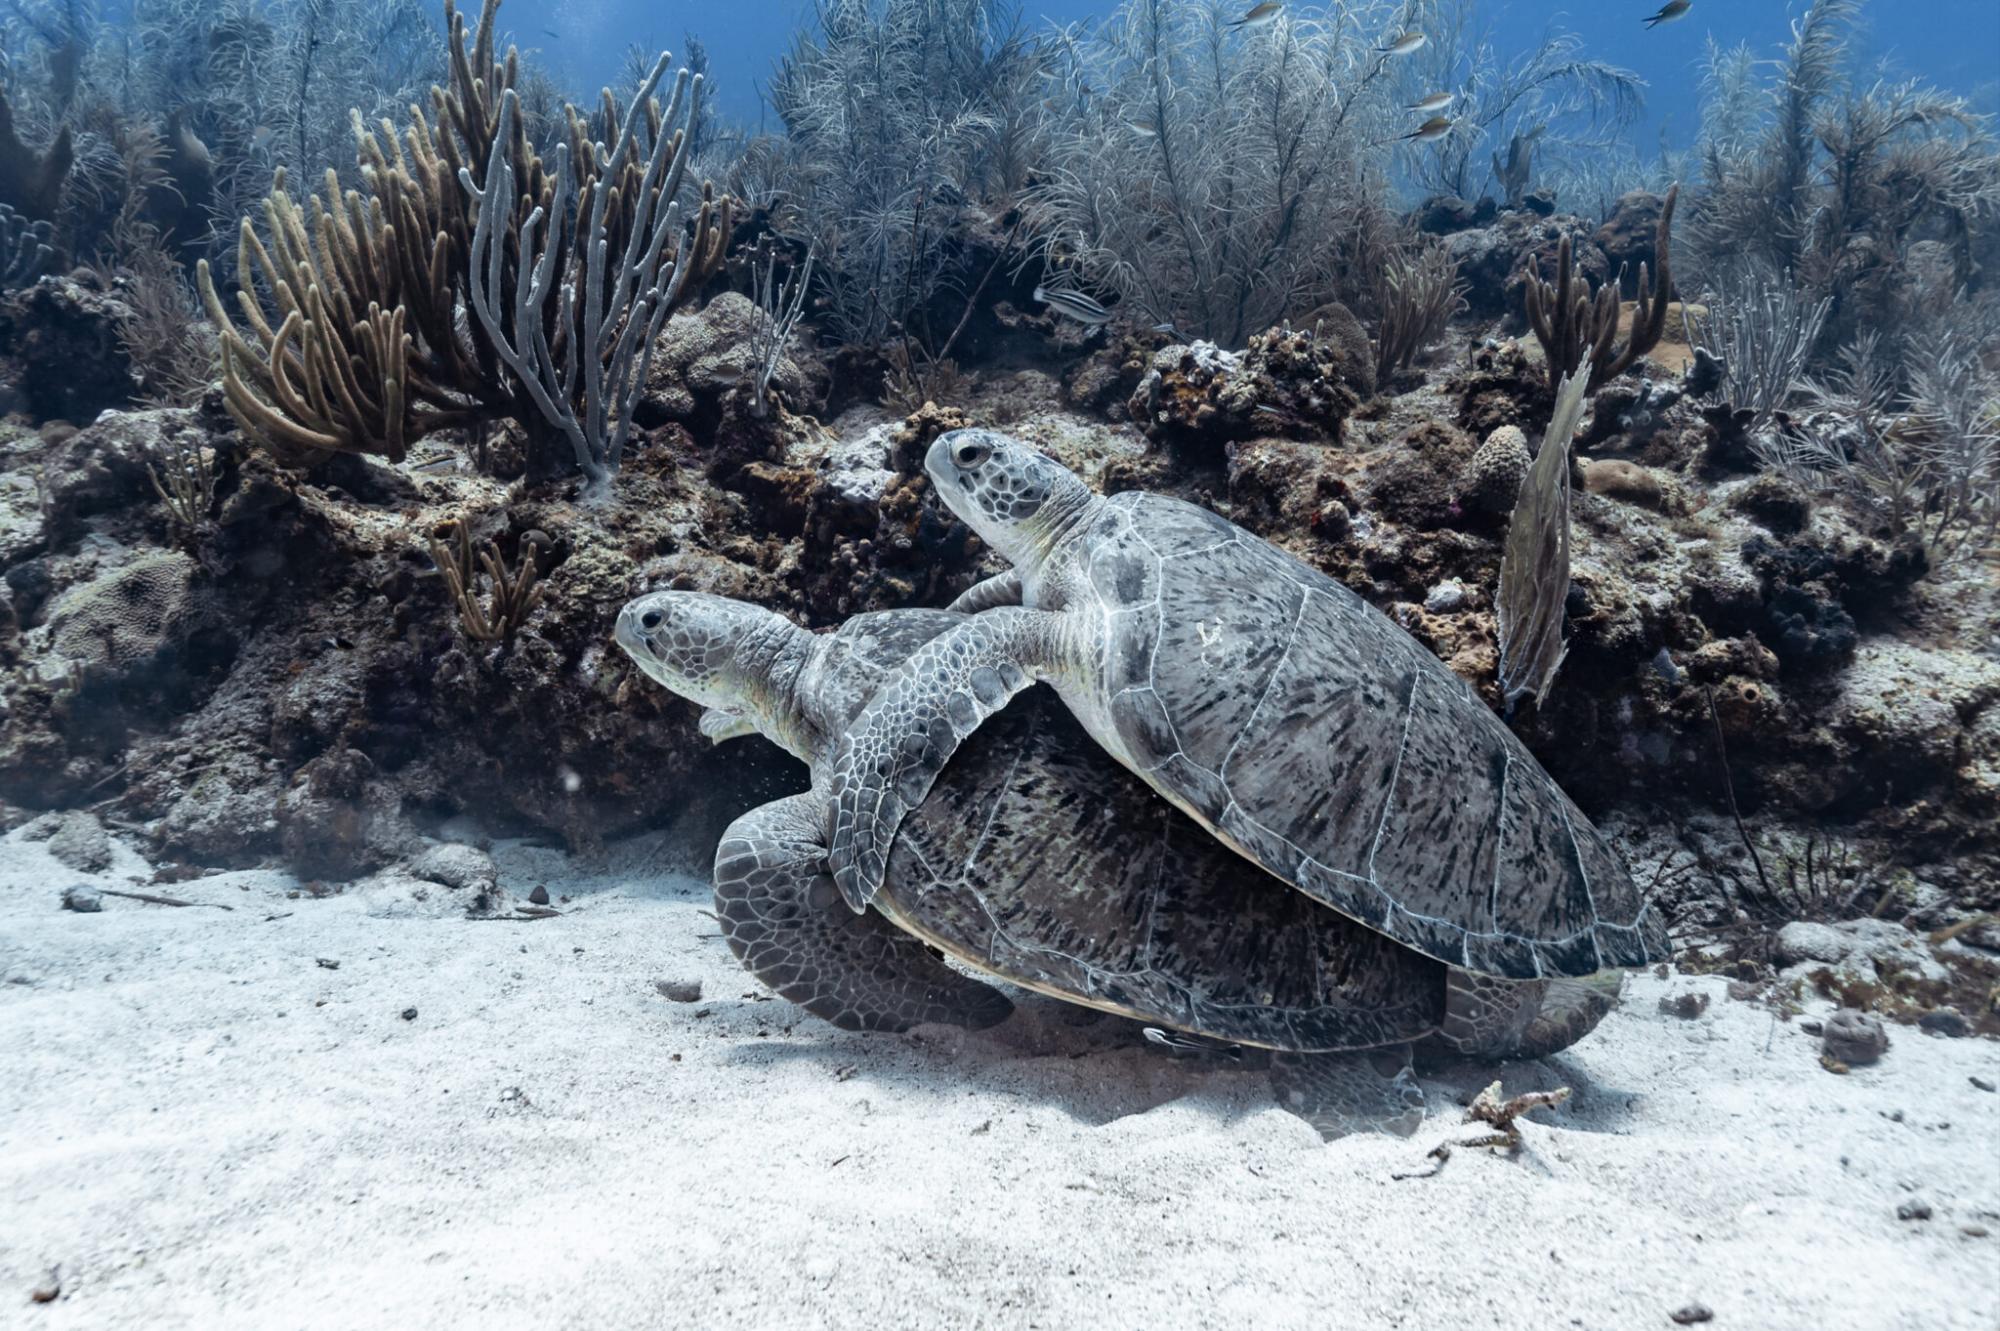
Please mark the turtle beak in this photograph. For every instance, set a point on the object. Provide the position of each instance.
(628, 634)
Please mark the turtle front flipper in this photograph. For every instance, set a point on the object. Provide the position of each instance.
(721, 725)
(1371, 1091)
(784, 921)
(885, 763)
(1000, 589)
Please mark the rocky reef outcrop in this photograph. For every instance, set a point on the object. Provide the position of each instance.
(1296, 383)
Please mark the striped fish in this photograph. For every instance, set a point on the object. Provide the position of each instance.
(1073, 305)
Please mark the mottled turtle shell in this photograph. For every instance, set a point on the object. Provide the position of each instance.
(1039, 859)
(1317, 738)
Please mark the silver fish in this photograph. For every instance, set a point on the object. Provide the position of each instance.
(1437, 101)
(1670, 11)
(1073, 305)
(1404, 45)
(1434, 128)
(1259, 15)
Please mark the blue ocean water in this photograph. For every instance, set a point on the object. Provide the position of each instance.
(1953, 43)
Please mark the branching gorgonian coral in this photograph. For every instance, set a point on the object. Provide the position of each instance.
(1418, 297)
(1576, 327)
(380, 336)
(898, 114)
(1762, 329)
(1853, 190)
(1213, 179)
(580, 328)
(24, 249)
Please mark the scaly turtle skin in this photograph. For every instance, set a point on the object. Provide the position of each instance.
(1284, 713)
(1039, 861)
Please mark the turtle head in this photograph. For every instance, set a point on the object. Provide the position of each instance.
(721, 653)
(1019, 501)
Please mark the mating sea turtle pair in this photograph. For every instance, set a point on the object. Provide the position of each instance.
(1038, 860)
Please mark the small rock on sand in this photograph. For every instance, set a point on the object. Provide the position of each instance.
(1854, 1038)
(1914, 1209)
(1945, 1021)
(79, 841)
(679, 991)
(81, 899)
(1692, 1314)
(456, 866)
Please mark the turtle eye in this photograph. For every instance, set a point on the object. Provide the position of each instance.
(971, 455)
(650, 620)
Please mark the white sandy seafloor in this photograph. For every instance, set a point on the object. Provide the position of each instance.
(201, 1125)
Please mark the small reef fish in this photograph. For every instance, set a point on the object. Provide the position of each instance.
(1144, 129)
(1670, 11)
(1181, 1042)
(1437, 101)
(443, 462)
(1434, 128)
(1259, 15)
(1073, 305)
(1406, 44)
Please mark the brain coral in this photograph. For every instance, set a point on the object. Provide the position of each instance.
(122, 620)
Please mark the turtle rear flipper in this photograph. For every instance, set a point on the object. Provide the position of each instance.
(1488, 1017)
(784, 920)
(1371, 1091)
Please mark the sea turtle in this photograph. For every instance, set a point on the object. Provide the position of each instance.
(1286, 714)
(1038, 860)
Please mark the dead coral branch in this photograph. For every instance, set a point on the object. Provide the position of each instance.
(1574, 326)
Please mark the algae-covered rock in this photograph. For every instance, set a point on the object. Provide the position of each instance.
(702, 357)
(64, 336)
(1628, 482)
(1288, 383)
(1629, 235)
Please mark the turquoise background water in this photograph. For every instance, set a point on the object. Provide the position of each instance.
(1953, 43)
